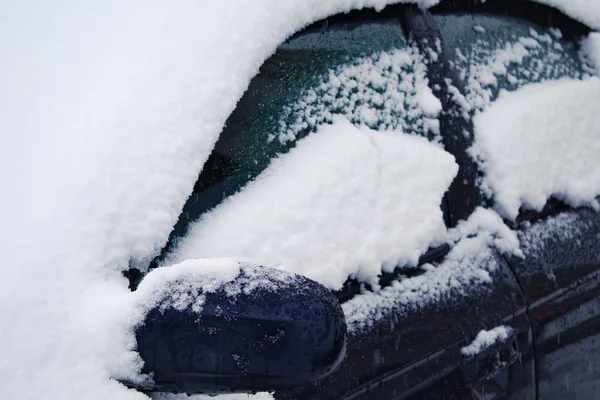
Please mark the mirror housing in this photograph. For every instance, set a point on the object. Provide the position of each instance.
(263, 330)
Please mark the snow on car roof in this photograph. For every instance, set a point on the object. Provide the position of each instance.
(108, 111)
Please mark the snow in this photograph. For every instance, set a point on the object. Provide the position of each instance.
(471, 262)
(541, 141)
(184, 285)
(586, 11)
(347, 201)
(430, 104)
(509, 55)
(534, 141)
(591, 48)
(478, 28)
(386, 90)
(108, 112)
(168, 396)
(534, 238)
(485, 339)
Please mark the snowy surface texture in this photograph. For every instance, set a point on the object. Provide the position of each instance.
(385, 91)
(108, 112)
(485, 339)
(346, 201)
(508, 54)
(470, 261)
(586, 11)
(542, 141)
(534, 102)
(185, 285)
(534, 238)
(591, 46)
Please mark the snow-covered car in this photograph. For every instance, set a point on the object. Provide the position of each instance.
(403, 202)
(312, 154)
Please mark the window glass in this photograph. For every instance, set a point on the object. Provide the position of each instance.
(366, 71)
(495, 52)
(361, 68)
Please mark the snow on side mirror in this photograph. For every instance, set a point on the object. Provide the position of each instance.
(214, 326)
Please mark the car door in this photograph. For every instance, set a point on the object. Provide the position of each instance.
(559, 273)
(415, 352)
(561, 279)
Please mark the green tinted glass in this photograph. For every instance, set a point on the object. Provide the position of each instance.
(494, 52)
(365, 71)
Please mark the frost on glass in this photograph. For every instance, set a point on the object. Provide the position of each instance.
(381, 91)
(491, 53)
(366, 72)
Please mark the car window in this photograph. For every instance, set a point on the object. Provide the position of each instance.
(366, 71)
(494, 52)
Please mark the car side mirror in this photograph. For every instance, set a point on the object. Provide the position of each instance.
(257, 329)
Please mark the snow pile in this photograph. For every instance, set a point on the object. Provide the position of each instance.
(485, 339)
(346, 201)
(541, 141)
(538, 141)
(591, 48)
(431, 105)
(471, 261)
(490, 230)
(387, 90)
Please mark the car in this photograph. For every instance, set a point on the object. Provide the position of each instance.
(539, 307)
(403, 202)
